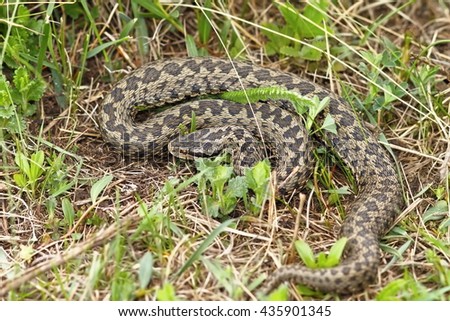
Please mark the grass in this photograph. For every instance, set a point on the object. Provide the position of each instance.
(79, 223)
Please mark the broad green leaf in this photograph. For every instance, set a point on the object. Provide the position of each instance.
(329, 124)
(20, 180)
(36, 90)
(237, 187)
(336, 252)
(212, 207)
(436, 212)
(166, 293)
(306, 254)
(23, 164)
(99, 186)
(315, 14)
(221, 175)
(36, 165)
(21, 79)
(145, 270)
(290, 51)
(313, 52)
(68, 211)
(258, 176)
(280, 294)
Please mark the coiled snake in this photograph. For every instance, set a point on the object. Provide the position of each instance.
(178, 82)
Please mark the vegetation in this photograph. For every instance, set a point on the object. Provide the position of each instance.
(79, 223)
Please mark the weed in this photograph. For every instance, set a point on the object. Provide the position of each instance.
(228, 189)
(17, 100)
(305, 33)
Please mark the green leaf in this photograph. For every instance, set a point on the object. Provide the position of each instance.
(212, 207)
(99, 186)
(436, 212)
(36, 90)
(306, 254)
(237, 187)
(145, 270)
(193, 122)
(93, 52)
(336, 252)
(21, 80)
(155, 8)
(445, 224)
(128, 28)
(5, 97)
(290, 51)
(315, 11)
(315, 109)
(280, 294)
(20, 180)
(321, 260)
(23, 164)
(36, 165)
(310, 53)
(73, 10)
(6, 111)
(221, 175)
(258, 176)
(68, 211)
(191, 47)
(166, 293)
(204, 25)
(329, 124)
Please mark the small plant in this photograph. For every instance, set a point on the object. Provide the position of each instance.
(17, 100)
(40, 174)
(17, 52)
(410, 289)
(227, 279)
(311, 24)
(382, 92)
(227, 189)
(21, 34)
(279, 294)
(31, 170)
(166, 293)
(321, 260)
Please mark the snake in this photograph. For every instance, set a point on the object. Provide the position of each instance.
(146, 113)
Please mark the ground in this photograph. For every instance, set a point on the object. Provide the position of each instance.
(90, 225)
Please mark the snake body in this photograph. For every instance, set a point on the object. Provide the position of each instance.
(178, 83)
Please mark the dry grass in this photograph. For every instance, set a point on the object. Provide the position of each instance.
(42, 257)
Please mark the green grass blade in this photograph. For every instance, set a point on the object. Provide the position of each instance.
(99, 186)
(207, 242)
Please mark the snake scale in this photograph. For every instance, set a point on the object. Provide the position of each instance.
(181, 84)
